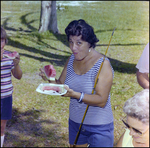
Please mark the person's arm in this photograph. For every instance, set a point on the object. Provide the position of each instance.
(143, 79)
(102, 89)
(119, 143)
(16, 71)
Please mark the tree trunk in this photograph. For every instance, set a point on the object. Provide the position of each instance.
(48, 18)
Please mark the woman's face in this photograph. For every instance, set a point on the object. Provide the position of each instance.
(140, 126)
(79, 47)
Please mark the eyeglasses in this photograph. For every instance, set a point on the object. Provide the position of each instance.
(134, 129)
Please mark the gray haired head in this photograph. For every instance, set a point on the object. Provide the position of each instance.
(138, 106)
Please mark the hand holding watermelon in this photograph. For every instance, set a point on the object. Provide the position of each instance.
(48, 73)
(16, 60)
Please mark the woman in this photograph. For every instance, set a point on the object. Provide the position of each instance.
(137, 121)
(79, 74)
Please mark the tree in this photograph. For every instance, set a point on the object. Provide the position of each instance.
(48, 18)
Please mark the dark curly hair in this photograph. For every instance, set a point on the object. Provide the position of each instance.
(80, 27)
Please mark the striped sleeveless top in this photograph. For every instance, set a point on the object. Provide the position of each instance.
(6, 84)
(85, 83)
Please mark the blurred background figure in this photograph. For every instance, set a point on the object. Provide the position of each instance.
(143, 68)
(136, 121)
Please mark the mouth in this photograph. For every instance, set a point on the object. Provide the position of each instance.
(135, 137)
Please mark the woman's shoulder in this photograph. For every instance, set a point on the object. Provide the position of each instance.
(96, 56)
(103, 58)
(99, 56)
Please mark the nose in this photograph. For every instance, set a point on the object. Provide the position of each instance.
(132, 132)
(74, 47)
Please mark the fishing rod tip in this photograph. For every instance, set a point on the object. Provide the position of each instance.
(113, 31)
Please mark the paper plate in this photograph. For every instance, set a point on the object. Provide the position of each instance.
(51, 89)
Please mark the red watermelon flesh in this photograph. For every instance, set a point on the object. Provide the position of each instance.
(54, 88)
(11, 55)
(50, 72)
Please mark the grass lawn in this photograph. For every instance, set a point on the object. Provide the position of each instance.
(40, 120)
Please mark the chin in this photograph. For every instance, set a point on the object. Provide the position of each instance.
(79, 58)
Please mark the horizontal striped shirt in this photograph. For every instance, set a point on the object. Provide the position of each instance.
(6, 83)
(85, 83)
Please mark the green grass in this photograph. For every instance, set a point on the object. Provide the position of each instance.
(40, 120)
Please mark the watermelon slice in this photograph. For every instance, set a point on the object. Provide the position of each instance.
(54, 88)
(11, 55)
(50, 72)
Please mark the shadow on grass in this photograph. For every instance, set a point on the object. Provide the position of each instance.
(132, 44)
(5, 25)
(24, 21)
(62, 38)
(128, 29)
(25, 130)
(60, 60)
(123, 67)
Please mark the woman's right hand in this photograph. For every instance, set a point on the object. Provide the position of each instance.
(42, 74)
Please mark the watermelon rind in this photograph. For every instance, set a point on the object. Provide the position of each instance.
(49, 78)
(52, 78)
(7, 56)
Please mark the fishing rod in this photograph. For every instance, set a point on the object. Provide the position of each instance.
(93, 90)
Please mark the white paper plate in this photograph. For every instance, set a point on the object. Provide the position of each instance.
(51, 92)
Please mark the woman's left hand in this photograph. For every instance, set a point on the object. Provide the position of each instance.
(69, 93)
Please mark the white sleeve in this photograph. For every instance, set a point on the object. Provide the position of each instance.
(143, 63)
